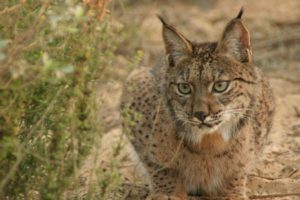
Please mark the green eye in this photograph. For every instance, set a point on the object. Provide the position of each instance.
(184, 88)
(220, 86)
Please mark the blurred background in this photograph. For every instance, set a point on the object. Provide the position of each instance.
(62, 66)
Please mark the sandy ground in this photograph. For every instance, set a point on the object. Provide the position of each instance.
(275, 29)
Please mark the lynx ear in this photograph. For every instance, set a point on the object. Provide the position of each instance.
(176, 45)
(235, 40)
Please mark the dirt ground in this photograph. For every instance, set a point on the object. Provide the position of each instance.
(274, 26)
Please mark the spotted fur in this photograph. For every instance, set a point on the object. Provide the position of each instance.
(204, 142)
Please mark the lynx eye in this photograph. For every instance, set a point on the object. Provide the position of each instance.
(184, 88)
(220, 86)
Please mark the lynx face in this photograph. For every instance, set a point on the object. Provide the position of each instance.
(209, 87)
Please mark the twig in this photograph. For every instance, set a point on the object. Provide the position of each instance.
(273, 195)
(21, 147)
(12, 171)
(264, 177)
(15, 47)
(45, 114)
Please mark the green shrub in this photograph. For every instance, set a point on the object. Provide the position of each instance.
(51, 54)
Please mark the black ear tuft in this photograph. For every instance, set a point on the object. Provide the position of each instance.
(239, 16)
(235, 41)
(176, 45)
(164, 22)
(161, 19)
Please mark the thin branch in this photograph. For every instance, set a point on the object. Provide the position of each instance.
(264, 177)
(45, 114)
(15, 47)
(274, 195)
(12, 171)
(21, 147)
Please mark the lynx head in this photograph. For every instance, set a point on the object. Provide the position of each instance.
(209, 87)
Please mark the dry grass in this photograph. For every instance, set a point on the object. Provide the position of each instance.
(44, 90)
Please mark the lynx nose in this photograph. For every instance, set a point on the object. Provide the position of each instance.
(200, 115)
